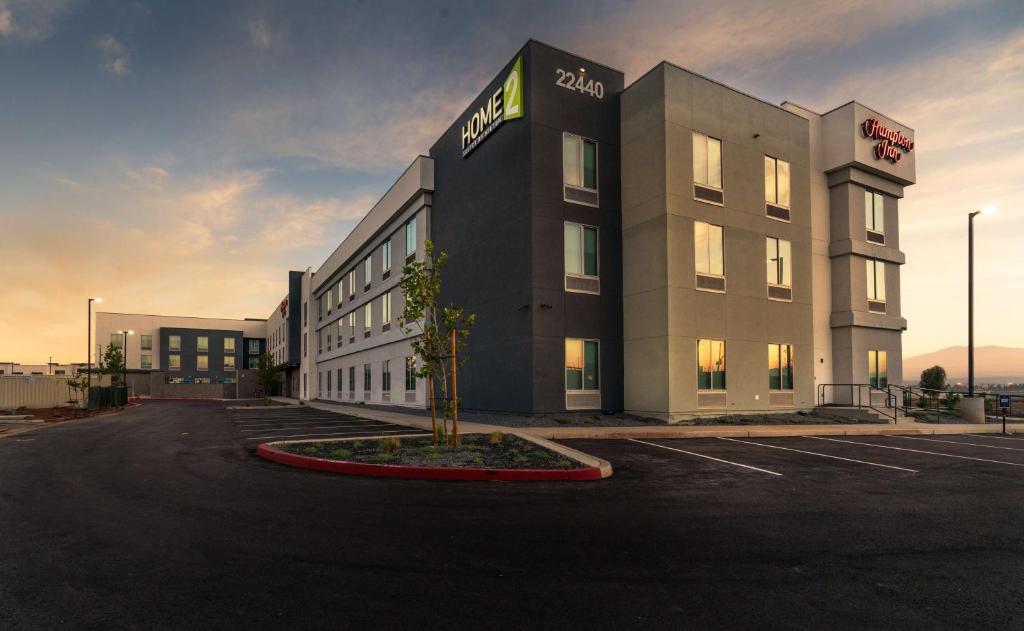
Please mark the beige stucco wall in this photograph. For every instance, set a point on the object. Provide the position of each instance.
(664, 313)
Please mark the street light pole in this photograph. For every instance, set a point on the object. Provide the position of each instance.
(88, 350)
(987, 210)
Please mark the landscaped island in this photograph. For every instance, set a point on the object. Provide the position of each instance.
(494, 456)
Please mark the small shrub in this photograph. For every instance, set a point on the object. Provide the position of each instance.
(357, 444)
(383, 458)
(494, 438)
(951, 400)
(562, 421)
(390, 444)
(309, 451)
(340, 454)
(521, 460)
(478, 461)
(565, 464)
(540, 454)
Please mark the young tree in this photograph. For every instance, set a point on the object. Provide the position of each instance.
(112, 363)
(933, 378)
(266, 375)
(442, 333)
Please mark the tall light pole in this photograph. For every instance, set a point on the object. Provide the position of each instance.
(124, 355)
(88, 341)
(987, 210)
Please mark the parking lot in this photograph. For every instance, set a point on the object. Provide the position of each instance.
(253, 426)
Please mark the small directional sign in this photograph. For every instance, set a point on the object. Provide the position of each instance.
(1004, 401)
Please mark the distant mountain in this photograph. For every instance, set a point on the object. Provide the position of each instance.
(991, 363)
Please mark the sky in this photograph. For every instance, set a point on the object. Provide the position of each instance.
(179, 157)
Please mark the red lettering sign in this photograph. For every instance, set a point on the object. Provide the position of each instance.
(893, 142)
(284, 308)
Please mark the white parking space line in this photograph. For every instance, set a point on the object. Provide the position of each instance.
(957, 442)
(991, 436)
(343, 435)
(352, 422)
(814, 453)
(290, 429)
(690, 453)
(919, 451)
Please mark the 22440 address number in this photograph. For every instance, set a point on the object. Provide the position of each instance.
(570, 81)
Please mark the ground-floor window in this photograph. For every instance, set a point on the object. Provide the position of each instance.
(340, 381)
(878, 369)
(147, 362)
(319, 385)
(328, 384)
(351, 378)
(367, 378)
(385, 376)
(410, 374)
(710, 364)
(581, 364)
(780, 366)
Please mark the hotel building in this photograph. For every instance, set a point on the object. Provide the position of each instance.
(670, 248)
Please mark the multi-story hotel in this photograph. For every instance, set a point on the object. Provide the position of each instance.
(670, 248)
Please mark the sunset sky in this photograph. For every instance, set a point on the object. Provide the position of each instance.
(179, 157)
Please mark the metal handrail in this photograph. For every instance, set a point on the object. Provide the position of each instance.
(859, 389)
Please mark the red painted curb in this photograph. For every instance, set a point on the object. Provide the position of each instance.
(424, 473)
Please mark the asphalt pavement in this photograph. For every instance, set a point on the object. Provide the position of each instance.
(161, 517)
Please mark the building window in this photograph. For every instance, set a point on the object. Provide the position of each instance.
(329, 297)
(581, 270)
(780, 366)
(229, 345)
(341, 375)
(117, 340)
(59, 372)
(328, 339)
(581, 365)
(319, 385)
(305, 310)
(385, 376)
(367, 378)
(254, 363)
(147, 342)
(710, 365)
(146, 362)
(876, 286)
(776, 188)
(351, 284)
(367, 318)
(410, 239)
(579, 169)
(328, 384)
(174, 342)
(709, 256)
(385, 256)
(410, 374)
(878, 369)
(320, 341)
(367, 271)
(874, 216)
(779, 268)
(202, 362)
(320, 308)
(229, 362)
(385, 310)
(202, 344)
(341, 330)
(707, 169)
(351, 378)
(352, 326)
(254, 347)
(174, 362)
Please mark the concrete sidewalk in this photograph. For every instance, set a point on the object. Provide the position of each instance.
(673, 431)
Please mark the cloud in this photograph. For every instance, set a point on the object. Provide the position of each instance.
(31, 21)
(259, 33)
(115, 57)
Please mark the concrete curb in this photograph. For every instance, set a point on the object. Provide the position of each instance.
(270, 452)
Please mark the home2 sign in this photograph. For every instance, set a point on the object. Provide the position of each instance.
(505, 104)
(893, 143)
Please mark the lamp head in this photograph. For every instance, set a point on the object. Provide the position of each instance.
(96, 299)
(988, 209)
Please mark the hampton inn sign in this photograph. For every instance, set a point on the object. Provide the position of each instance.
(893, 142)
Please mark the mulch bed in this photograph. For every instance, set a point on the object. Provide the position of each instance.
(58, 415)
(777, 419)
(489, 451)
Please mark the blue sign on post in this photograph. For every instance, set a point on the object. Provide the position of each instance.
(1004, 400)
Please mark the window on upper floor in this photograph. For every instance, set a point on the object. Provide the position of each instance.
(202, 362)
(367, 271)
(581, 259)
(776, 188)
(367, 318)
(707, 169)
(174, 362)
(202, 344)
(385, 257)
(174, 342)
(351, 284)
(709, 256)
(147, 342)
(874, 216)
(385, 311)
(410, 239)
(229, 345)
(579, 169)
(876, 285)
(779, 268)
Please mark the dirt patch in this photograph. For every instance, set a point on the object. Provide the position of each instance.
(59, 414)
